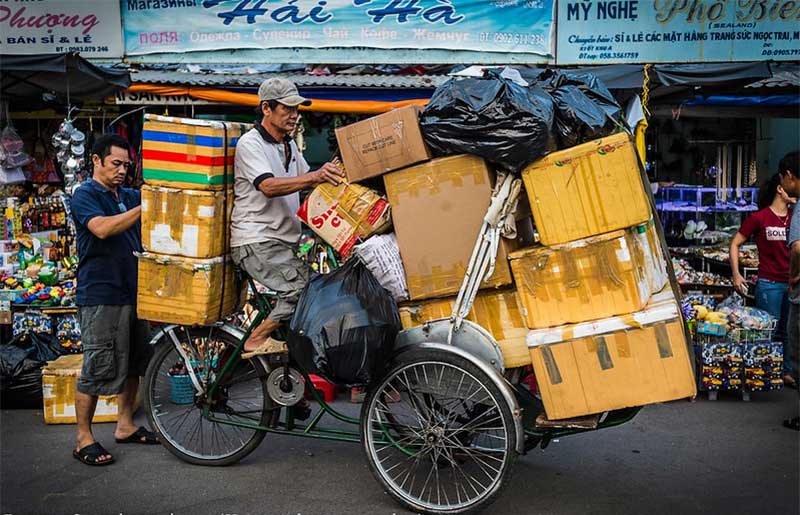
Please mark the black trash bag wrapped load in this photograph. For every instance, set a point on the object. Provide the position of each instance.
(345, 325)
(503, 122)
(21, 374)
(584, 108)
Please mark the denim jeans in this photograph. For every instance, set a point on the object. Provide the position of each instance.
(773, 298)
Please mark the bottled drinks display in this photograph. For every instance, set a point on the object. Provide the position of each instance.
(37, 215)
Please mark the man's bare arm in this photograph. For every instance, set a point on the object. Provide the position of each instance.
(106, 226)
(279, 186)
(794, 265)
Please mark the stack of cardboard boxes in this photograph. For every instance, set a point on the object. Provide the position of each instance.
(589, 306)
(185, 275)
(606, 329)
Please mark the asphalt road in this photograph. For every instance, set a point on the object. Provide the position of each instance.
(704, 457)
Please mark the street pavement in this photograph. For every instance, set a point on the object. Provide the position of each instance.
(723, 457)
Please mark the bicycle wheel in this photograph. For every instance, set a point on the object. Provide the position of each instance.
(438, 434)
(177, 415)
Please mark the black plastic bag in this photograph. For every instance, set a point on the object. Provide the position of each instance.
(584, 108)
(345, 325)
(505, 123)
(20, 377)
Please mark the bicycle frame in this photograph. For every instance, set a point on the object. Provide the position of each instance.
(290, 426)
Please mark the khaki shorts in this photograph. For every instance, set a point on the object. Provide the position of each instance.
(116, 345)
(275, 265)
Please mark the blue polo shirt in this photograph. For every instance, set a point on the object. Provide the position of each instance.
(107, 269)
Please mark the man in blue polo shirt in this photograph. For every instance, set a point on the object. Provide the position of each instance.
(115, 342)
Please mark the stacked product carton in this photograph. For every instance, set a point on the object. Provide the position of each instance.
(607, 332)
(185, 274)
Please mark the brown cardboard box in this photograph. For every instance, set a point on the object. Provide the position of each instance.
(632, 360)
(59, 378)
(181, 290)
(438, 209)
(496, 311)
(383, 143)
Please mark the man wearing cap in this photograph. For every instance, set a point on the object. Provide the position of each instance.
(269, 173)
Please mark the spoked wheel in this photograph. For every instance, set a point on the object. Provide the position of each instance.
(181, 416)
(438, 434)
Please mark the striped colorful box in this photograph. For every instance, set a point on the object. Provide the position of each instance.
(189, 154)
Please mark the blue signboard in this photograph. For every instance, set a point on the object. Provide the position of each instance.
(505, 26)
(682, 31)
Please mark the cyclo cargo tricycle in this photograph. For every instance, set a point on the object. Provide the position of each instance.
(441, 428)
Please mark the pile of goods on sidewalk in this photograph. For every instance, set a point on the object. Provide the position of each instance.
(579, 290)
(735, 347)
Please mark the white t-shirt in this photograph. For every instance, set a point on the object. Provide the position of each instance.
(257, 218)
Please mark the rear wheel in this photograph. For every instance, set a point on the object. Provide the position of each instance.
(176, 408)
(438, 434)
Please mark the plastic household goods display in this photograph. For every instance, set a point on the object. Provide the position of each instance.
(344, 326)
(497, 311)
(590, 189)
(584, 280)
(505, 123)
(191, 223)
(438, 209)
(381, 254)
(59, 378)
(186, 291)
(614, 363)
(343, 214)
(188, 153)
(383, 143)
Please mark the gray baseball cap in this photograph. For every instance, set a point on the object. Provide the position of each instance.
(282, 90)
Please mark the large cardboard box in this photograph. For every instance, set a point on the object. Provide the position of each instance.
(438, 209)
(191, 223)
(584, 280)
(187, 291)
(343, 214)
(187, 153)
(59, 378)
(496, 311)
(633, 360)
(383, 143)
(589, 189)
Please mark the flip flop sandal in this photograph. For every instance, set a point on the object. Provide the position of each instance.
(141, 436)
(90, 455)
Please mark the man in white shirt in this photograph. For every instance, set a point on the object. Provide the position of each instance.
(269, 173)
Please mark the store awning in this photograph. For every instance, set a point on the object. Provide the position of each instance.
(29, 76)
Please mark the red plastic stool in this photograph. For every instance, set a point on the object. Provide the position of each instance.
(327, 389)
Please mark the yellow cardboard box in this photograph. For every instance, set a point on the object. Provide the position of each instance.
(589, 189)
(191, 223)
(583, 280)
(187, 291)
(188, 153)
(437, 210)
(615, 363)
(59, 378)
(497, 311)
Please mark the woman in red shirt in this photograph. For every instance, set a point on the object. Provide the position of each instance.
(768, 226)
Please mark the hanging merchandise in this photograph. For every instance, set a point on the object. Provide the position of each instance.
(69, 144)
(344, 326)
(12, 157)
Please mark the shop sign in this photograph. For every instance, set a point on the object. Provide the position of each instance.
(518, 26)
(90, 27)
(677, 31)
(143, 98)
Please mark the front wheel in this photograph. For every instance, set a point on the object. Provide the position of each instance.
(182, 416)
(438, 434)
